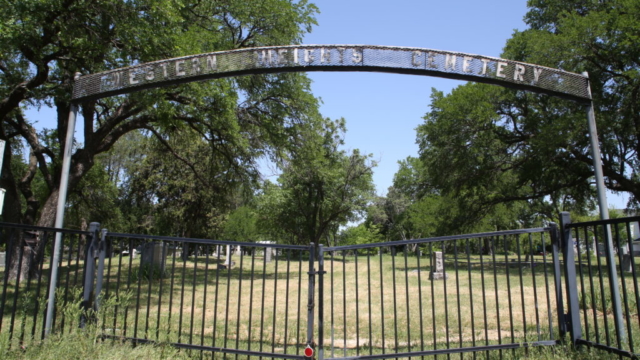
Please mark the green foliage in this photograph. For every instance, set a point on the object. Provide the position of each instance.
(321, 187)
(230, 123)
(241, 225)
(479, 149)
(417, 207)
(361, 234)
(494, 151)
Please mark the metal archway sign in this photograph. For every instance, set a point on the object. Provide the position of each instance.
(305, 58)
(400, 60)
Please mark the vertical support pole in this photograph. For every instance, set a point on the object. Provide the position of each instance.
(310, 304)
(102, 251)
(597, 159)
(62, 199)
(571, 283)
(321, 303)
(604, 215)
(555, 245)
(89, 271)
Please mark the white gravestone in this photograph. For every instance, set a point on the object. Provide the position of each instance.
(437, 273)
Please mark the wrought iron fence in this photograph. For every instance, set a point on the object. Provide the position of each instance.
(490, 292)
(26, 275)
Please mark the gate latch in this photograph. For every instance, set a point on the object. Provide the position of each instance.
(314, 272)
(308, 352)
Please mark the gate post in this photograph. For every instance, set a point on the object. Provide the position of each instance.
(102, 248)
(89, 271)
(310, 304)
(571, 284)
(321, 304)
(557, 277)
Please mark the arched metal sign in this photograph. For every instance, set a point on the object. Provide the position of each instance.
(402, 60)
(305, 58)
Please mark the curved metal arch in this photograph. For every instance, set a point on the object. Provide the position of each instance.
(304, 58)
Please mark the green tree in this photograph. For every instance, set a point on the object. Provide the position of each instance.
(320, 188)
(489, 145)
(360, 234)
(45, 42)
(241, 225)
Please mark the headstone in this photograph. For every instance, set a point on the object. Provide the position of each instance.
(3, 258)
(626, 259)
(228, 255)
(154, 255)
(267, 254)
(601, 250)
(437, 273)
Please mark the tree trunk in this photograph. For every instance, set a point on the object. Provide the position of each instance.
(487, 248)
(25, 256)
(19, 258)
(49, 209)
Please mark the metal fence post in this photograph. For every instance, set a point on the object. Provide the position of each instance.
(555, 245)
(89, 271)
(102, 248)
(571, 283)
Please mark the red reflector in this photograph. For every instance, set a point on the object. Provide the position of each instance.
(308, 352)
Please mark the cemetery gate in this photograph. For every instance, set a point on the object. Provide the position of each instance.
(496, 304)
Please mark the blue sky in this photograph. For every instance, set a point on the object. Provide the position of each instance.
(383, 110)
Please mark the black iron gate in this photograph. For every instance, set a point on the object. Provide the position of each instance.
(469, 293)
(601, 277)
(216, 296)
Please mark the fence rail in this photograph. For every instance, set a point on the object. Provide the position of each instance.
(487, 293)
